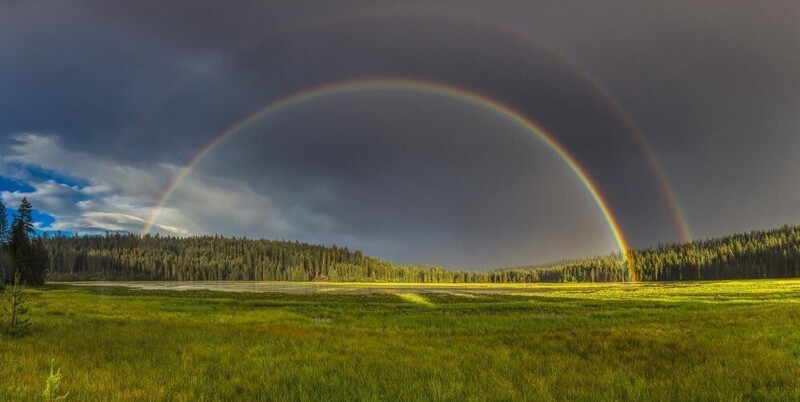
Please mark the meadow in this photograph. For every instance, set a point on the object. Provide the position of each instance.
(732, 340)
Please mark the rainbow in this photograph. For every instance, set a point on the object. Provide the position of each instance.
(635, 133)
(631, 128)
(334, 20)
(402, 84)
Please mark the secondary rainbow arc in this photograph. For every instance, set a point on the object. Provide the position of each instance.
(631, 127)
(403, 84)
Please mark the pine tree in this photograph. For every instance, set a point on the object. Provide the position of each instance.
(19, 247)
(25, 216)
(4, 229)
(5, 260)
(30, 259)
(52, 387)
(15, 315)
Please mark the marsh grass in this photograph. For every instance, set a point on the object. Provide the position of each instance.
(692, 341)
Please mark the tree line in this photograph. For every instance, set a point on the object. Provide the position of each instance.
(209, 258)
(759, 254)
(21, 251)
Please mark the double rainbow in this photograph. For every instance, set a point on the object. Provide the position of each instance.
(402, 84)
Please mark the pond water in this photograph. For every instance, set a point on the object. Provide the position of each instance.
(333, 288)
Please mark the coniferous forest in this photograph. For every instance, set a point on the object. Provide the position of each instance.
(759, 254)
(21, 251)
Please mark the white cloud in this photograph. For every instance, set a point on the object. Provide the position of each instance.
(122, 197)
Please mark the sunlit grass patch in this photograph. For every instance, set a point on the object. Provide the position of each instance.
(416, 299)
(465, 295)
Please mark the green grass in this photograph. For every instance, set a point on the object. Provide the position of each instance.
(677, 341)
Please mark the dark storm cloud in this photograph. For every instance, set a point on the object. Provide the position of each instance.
(714, 87)
(479, 183)
(146, 84)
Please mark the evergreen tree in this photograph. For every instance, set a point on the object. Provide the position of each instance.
(4, 229)
(6, 266)
(52, 388)
(15, 314)
(5, 260)
(19, 248)
(25, 216)
(29, 258)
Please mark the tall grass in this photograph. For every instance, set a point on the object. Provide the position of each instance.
(696, 341)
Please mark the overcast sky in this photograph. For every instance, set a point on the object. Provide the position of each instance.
(103, 102)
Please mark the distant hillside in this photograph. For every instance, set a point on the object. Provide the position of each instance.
(759, 254)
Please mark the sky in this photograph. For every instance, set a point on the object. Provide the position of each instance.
(683, 115)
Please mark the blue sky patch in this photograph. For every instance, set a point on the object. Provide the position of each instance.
(44, 220)
(48, 174)
(9, 184)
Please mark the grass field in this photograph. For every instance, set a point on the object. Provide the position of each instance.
(675, 341)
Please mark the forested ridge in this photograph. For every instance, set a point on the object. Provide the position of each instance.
(758, 254)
